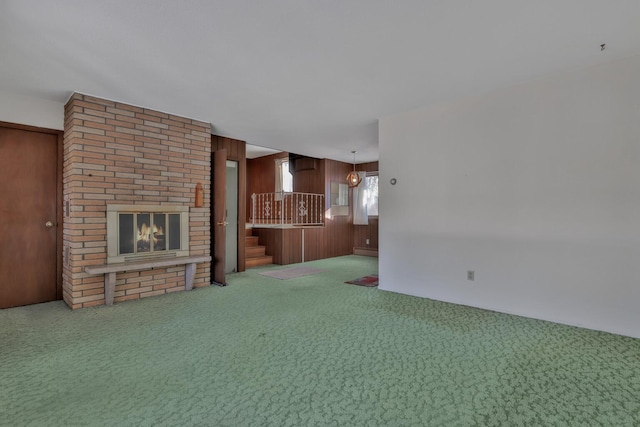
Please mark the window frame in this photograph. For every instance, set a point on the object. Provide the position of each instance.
(373, 173)
(279, 175)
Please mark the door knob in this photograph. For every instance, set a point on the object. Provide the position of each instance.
(48, 224)
(223, 223)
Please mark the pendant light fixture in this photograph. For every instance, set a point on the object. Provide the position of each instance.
(353, 179)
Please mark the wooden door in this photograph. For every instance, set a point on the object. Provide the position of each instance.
(28, 217)
(219, 220)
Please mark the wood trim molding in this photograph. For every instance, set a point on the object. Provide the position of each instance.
(365, 252)
(236, 151)
(30, 128)
(60, 214)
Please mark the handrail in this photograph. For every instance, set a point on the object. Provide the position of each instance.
(286, 208)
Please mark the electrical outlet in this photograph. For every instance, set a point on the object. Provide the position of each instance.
(367, 242)
(471, 275)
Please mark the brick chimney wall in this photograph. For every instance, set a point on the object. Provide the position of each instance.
(116, 153)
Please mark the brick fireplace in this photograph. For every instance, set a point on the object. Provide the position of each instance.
(117, 154)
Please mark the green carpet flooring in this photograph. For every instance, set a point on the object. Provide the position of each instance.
(308, 351)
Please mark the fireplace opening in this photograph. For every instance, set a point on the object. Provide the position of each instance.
(148, 232)
(136, 231)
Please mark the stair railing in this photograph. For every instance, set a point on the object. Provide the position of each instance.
(284, 208)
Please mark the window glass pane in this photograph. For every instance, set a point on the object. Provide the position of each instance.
(159, 225)
(287, 178)
(144, 232)
(174, 231)
(372, 195)
(125, 233)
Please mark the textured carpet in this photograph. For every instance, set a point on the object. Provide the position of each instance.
(367, 281)
(308, 351)
(291, 273)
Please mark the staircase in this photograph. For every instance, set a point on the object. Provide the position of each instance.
(254, 253)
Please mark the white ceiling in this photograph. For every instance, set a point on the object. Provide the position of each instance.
(254, 151)
(306, 76)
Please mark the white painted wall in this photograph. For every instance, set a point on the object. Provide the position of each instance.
(25, 110)
(535, 187)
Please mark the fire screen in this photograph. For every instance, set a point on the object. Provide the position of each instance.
(146, 231)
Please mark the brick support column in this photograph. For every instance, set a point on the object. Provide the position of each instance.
(118, 153)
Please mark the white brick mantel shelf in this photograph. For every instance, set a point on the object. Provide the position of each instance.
(110, 270)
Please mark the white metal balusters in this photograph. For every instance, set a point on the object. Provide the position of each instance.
(297, 209)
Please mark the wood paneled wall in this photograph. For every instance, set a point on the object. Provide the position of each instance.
(363, 232)
(261, 176)
(283, 244)
(339, 229)
(236, 151)
(311, 180)
(368, 167)
(336, 238)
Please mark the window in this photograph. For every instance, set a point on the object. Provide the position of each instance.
(284, 179)
(287, 178)
(371, 188)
